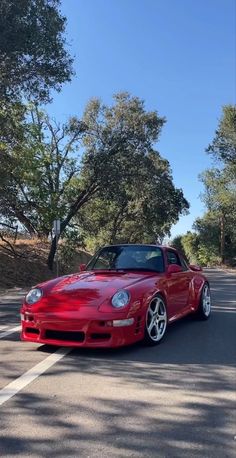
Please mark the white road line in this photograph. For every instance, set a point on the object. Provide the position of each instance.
(3, 327)
(219, 307)
(9, 331)
(225, 301)
(17, 385)
(223, 311)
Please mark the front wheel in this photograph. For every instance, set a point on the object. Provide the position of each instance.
(156, 321)
(204, 309)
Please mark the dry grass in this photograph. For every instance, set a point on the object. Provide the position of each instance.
(30, 266)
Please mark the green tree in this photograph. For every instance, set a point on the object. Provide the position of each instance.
(55, 170)
(208, 239)
(141, 212)
(33, 55)
(214, 239)
(177, 242)
(223, 146)
(40, 170)
(220, 200)
(190, 242)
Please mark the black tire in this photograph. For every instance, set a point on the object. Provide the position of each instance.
(157, 314)
(204, 309)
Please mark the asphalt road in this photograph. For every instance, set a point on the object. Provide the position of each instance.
(174, 400)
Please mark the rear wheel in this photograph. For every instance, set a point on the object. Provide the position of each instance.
(156, 321)
(204, 309)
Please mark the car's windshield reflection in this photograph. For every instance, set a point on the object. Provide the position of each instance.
(124, 258)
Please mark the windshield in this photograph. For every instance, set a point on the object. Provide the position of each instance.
(132, 257)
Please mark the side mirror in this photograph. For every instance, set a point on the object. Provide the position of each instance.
(174, 268)
(195, 268)
(82, 267)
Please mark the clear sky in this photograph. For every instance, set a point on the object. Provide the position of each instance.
(177, 55)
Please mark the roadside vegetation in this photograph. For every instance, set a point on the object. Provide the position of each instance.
(213, 240)
(102, 174)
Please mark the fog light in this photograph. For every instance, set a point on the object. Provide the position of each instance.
(119, 323)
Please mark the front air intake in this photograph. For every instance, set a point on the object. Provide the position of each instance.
(65, 336)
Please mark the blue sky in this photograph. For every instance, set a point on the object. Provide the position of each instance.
(177, 55)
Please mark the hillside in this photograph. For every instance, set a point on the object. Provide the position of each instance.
(29, 266)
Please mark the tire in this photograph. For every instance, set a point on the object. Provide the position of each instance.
(204, 308)
(156, 321)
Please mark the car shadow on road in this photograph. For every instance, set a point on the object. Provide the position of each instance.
(187, 341)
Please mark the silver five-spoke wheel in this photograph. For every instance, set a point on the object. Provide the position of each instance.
(206, 300)
(204, 308)
(156, 321)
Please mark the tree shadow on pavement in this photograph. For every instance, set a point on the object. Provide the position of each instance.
(174, 400)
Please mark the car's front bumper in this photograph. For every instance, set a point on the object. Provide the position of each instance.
(113, 331)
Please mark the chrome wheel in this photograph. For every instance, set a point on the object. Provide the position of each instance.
(206, 301)
(204, 309)
(156, 320)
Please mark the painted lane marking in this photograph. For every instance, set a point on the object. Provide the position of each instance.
(2, 327)
(28, 377)
(225, 301)
(219, 307)
(9, 331)
(224, 311)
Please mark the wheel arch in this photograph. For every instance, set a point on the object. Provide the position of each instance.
(161, 293)
(199, 293)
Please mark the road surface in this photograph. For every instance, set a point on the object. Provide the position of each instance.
(174, 400)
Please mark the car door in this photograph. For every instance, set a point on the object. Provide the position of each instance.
(178, 284)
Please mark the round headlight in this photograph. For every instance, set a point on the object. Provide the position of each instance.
(120, 299)
(33, 296)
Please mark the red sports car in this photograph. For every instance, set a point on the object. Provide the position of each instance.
(126, 293)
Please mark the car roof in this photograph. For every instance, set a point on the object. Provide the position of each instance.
(141, 244)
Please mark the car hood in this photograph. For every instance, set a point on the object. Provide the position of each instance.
(88, 288)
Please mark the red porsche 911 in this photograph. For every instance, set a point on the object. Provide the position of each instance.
(126, 293)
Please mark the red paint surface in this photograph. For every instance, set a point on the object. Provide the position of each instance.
(82, 303)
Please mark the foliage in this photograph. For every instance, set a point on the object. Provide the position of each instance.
(177, 243)
(220, 190)
(38, 171)
(214, 239)
(220, 199)
(137, 200)
(33, 60)
(200, 247)
(106, 162)
(208, 245)
(142, 213)
(68, 248)
(33, 55)
(223, 146)
(208, 236)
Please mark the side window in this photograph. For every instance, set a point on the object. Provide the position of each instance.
(105, 261)
(184, 264)
(173, 258)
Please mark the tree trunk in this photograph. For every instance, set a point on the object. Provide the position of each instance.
(82, 199)
(26, 222)
(222, 238)
(52, 252)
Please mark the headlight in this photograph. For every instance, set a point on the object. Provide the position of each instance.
(120, 299)
(33, 296)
